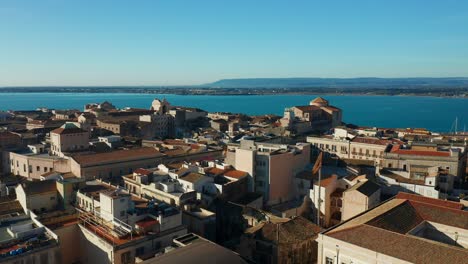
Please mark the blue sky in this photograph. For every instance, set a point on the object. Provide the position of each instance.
(172, 42)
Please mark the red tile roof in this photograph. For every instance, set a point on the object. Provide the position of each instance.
(147, 222)
(142, 171)
(235, 174)
(116, 156)
(63, 131)
(215, 171)
(307, 108)
(396, 149)
(319, 100)
(411, 249)
(423, 199)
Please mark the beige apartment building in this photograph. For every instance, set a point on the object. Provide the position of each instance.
(33, 165)
(356, 148)
(114, 163)
(342, 198)
(452, 160)
(271, 167)
(121, 228)
(406, 229)
(68, 138)
(359, 198)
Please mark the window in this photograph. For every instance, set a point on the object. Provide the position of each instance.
(122, 213)
(38, 168)
(52, 198)
(45, 169)
(24, 167)
(328, 260)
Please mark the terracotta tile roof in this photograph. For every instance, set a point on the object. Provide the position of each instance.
(332, 108)
(385, 228)
(307, 108)
(423, 199)
(175, 152)
(147, 222)
(400, 246)
(176, 165)
(8, 135)
(399, 178)
(288, 231)
(192, 177)
(215, 171)
(62, 131)
(38, 187)
(400, 219)
(396, 149)
(442, 215)
(11, 206)
(142, 171)
(319, 100)
(117, 156)
(235, 174)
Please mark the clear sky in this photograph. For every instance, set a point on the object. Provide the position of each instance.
(172, 42)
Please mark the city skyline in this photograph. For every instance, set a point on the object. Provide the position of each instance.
(190, 43)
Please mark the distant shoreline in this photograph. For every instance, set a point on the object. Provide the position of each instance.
(421, 92)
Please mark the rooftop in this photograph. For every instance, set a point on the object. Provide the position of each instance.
(116, 156)
(196, 249)
(67, 128)
(366, 187)
(39, 187)
(391, 229)
(193, 177)
(287, 231)
(398, 150)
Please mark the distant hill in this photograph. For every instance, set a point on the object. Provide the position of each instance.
(452, 82)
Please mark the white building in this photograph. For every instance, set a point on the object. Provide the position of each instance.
(406, 229)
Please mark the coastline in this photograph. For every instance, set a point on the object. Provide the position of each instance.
(450, 93)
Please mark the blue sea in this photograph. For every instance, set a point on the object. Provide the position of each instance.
(434, 113)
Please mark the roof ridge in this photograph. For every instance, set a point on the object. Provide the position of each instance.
(420, 238)
(454, 210)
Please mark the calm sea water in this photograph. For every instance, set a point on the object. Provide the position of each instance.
(437, 114)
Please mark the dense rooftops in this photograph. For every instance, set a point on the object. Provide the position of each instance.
(117, 155)
(408, 222)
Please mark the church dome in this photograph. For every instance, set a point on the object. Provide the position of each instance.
(319, 101)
